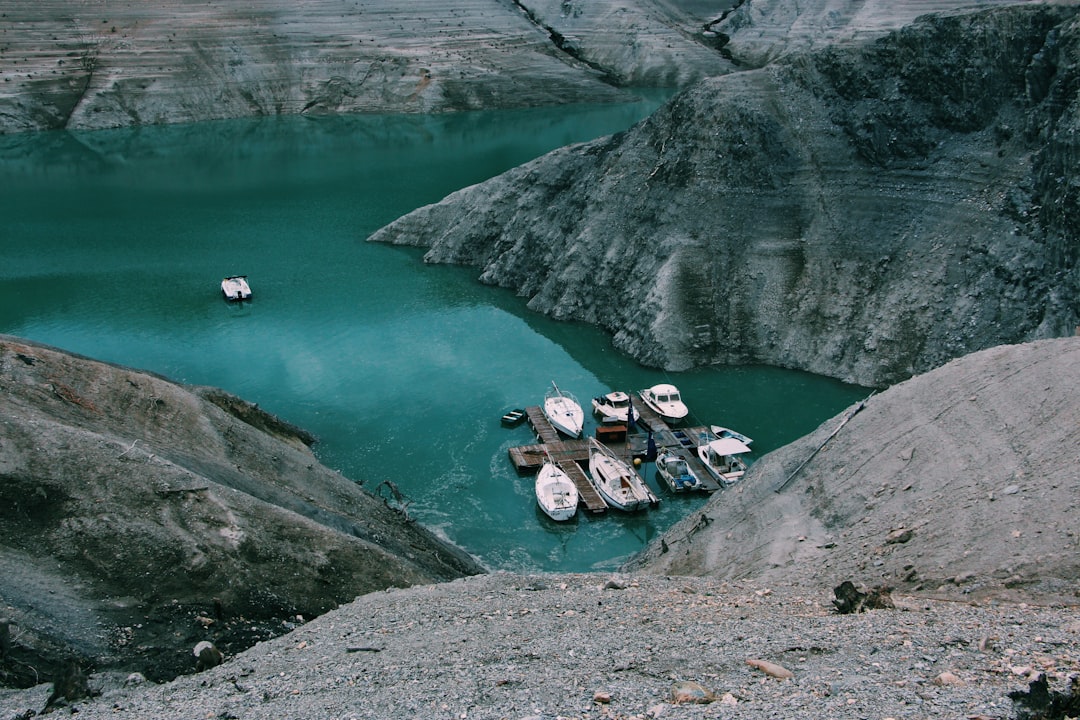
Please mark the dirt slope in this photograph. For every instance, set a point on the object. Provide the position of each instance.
(962, 482)
(130, 506)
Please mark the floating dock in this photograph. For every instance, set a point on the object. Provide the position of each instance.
(572, 453)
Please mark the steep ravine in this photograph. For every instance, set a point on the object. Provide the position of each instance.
(866, 213)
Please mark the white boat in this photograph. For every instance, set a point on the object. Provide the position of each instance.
(615, 406)
(667, 403)
(616, 481)
(556, 493)
(563, 411)
(235, 288)
(723, 432)
(723, 459)
(675, 471)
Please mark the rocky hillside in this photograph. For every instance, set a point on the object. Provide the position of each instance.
(94, 65)
(963, 482)
(756, 32)
(97, 65)
(596, 647)
(138, 517)
(866, 213)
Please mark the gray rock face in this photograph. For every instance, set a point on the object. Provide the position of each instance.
(962, 481)
(93, 65)
(865, 213)
(759, 31)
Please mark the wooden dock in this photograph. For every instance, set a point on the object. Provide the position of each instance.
(571, 454)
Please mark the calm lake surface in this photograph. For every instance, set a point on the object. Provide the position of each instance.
(113, 244)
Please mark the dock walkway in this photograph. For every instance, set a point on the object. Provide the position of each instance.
(571, 454)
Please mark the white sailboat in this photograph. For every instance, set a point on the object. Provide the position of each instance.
(556, 493)
(616, 481)
(563, 411)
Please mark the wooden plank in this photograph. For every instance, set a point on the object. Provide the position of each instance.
(545, 431)
(531, 457)
(587, 494)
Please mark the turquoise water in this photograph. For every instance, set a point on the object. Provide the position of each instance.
(114, 243)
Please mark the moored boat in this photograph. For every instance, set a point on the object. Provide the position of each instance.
(235, 288)
(556, 493)
(513, 418)
(616, 480)
(563, 411)
(723, 458)
(666, 402)
(676, 472)
(723, 432)
(615, 406)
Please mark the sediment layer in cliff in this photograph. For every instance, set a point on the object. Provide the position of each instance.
(86, 66)
(866, 213)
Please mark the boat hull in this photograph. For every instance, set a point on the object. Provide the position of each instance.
(235, 289)
(555, 493)
(676, 474)
(617, 482)
(665, 401)
(565, 415)
(723, 458)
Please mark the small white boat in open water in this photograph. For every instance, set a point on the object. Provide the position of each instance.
(723, 432)
(235, 288)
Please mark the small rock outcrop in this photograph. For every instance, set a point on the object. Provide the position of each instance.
(865, 213)
(962, 482)
(139, 517)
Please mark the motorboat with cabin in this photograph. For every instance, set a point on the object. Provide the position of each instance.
(724, 459)
(665, 401)
(616, 406)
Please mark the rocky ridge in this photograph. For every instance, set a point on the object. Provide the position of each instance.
(961, 483)
(138, 516)
(89, 65)
(592, 647)
(866, 213)
(102, 65)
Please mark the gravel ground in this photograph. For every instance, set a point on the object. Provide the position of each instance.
(604, 646)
